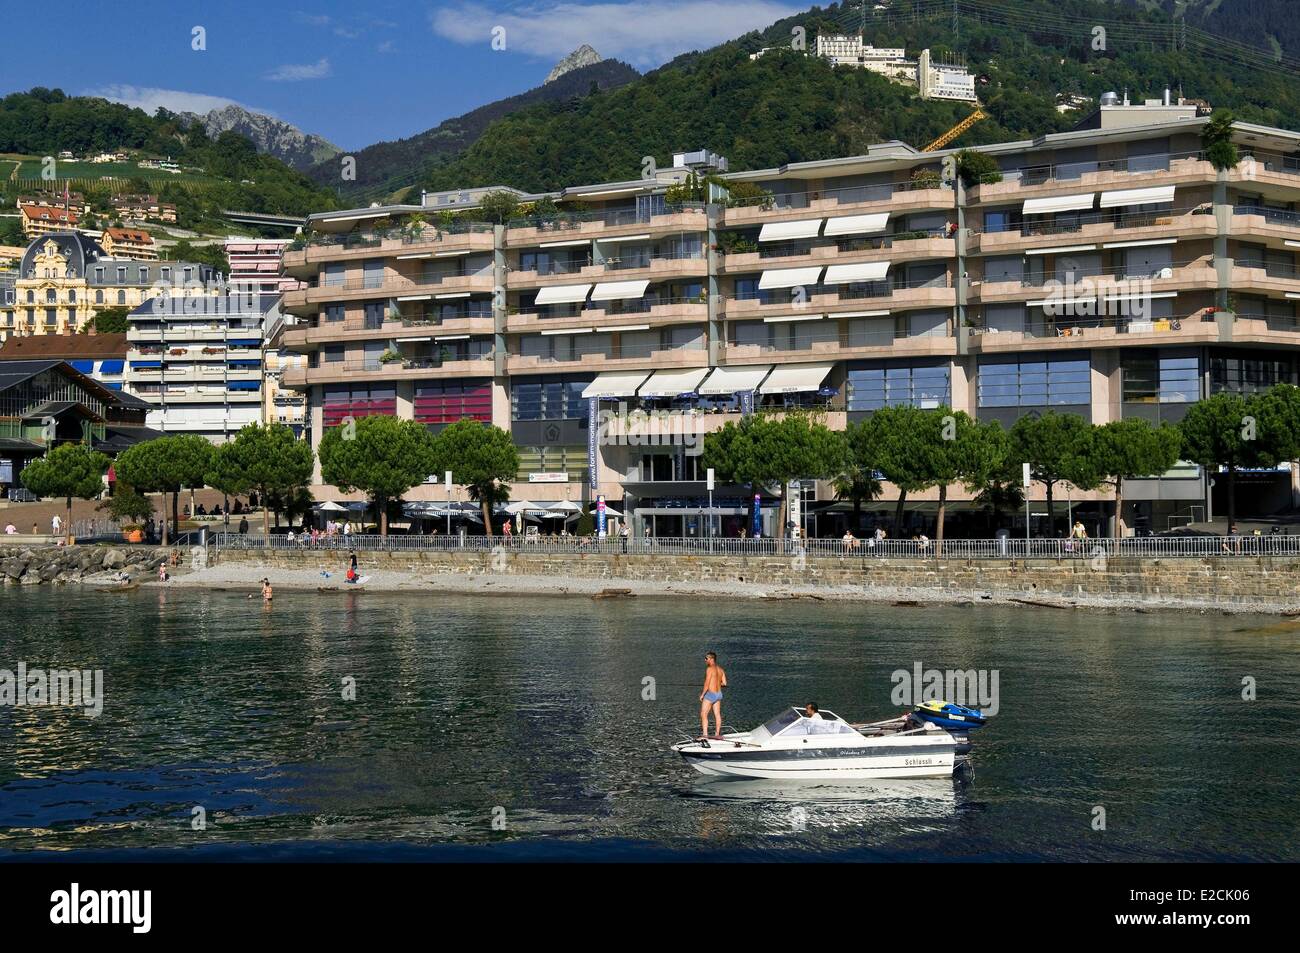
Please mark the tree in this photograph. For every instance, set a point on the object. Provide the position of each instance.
(499, 206)
(379, 455)
(1131, 448)
(127, 505)
(482, 458)
(1222, 431)
(1277, 411)
(976, 167)
(1216, 140)
(902, 440)
(766, 448)
(166, 465)
(72, 469)
(108, 321)
(857, 481)
(970, 453)
(1058, 448)
(268, 459)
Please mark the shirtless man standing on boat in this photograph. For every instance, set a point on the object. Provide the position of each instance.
(715, 680)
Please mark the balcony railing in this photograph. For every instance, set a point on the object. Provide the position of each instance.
(605, 308)
(1068, 171)
(1274, 216)
(613, 352)
(373, 239)
(1077, 222)
(851, 195)
(562, 221)
(1077, 275)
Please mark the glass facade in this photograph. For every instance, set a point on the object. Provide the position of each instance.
(1053, 383)
(1249, 373)
(1151, 378)
(871, 388)
(549, 398)
(449, 401)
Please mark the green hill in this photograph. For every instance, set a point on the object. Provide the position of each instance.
(44, 122)
(787, 107)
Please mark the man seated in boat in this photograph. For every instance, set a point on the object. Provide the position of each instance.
(819, 725)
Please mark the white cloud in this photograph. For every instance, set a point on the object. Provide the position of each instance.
(646, 32)
(386, 47)
(294, 72)
(149, 98)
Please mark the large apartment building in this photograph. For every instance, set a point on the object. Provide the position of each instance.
(197, 360)
(1110, 272)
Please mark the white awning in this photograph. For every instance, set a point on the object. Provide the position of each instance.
(1161, 193)
(1058, 203)
(788, 231)
(616, 384)
(672, 383)
(1060, 250)
(725, 381)
(864, 271)
(856, 224)
(615, 239)
(563, 294)
(571, 243)
(789, 278)
(617, 290)
(795, 378)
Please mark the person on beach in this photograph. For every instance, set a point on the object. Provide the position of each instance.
(162, 572)
(715, 680)
(10, 529)
(267, 594)
(352, 566)
(56, 524)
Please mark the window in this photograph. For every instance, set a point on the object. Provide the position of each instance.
(99, 296)
(166, 274)
(548, 398)
(874, 387)
(373, 272)
(1249, 373)
(51, 317)
(374, 319)
(334, 276)
(334, 353)
(334, 312)
(569, 460)
(50, 296)
(447, 402)
(1034, 383)
(31, 296)
(72, 295)
(1150, 378)
(121, 276)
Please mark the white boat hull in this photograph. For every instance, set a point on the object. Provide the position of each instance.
(931, 754)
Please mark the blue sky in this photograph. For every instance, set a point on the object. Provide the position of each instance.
(353, 71)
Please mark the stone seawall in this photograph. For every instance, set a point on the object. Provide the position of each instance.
(1256, 583)
(32, 565)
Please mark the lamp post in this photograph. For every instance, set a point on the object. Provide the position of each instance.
(447, 479)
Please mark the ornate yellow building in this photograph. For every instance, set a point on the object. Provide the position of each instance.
(64, 278)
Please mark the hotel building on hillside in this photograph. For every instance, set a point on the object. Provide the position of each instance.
(64, 278)
(197, 361)
(131, 243)
(1111, 272)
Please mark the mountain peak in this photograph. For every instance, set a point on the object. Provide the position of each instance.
(272, 136)
(582, 56)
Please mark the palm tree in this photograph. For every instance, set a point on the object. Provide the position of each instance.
(858, 485)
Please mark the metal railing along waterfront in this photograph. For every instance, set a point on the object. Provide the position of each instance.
(1141, 547)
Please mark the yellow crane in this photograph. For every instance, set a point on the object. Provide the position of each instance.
(957, 130)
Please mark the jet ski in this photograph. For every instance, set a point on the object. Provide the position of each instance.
(950, 717)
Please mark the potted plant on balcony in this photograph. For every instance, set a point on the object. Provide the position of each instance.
(974, 168)
(926, 179)
(389, 356)
(415, 226)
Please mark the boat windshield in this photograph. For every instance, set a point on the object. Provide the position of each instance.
(778, 723)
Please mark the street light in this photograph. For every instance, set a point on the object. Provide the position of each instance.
(447, 478)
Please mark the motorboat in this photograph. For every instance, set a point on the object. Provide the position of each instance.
(821, 746)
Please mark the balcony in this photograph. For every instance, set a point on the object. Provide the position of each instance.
(1070, 333)
(1180, 169)
(834, 299)
(1280, 279)
(613, 315)
(1267, 168)
(659, 268)
(687, 217)
(907, 246)
(1255, 222)
(880, 337)
(332, 372)
(1096, 226)
(898, 198)
(321, 247)
(307, 301)
(1088, 284)
(612, 357)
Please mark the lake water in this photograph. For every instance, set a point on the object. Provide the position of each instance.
(530, 711)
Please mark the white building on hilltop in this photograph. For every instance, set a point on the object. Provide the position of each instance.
(932, 80)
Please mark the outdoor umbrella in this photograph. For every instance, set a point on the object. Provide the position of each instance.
(331, 508)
